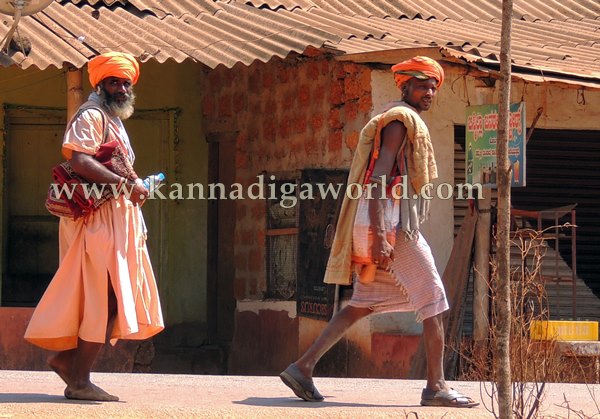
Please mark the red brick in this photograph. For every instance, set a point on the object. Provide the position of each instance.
(338, 71)
(287, 102)
(319, 94)
(351, 88)
(365, 104)
(285, 128)
(229, 76)
(253, 128)
(324, 67)
(312, 52)
(335, 140)
(364, 80)
(260, 237)
(335, 120)
(317, 122)
(252, 287)
(254, 261)
(225, 106)
(209, 108)
(258, 208)
(240, 212)
(270, 108)
(300, 124)
(350, 111)
(239, 103)
(311, 145)
(241, 161)
(247, 236)
(239, 288)
(268, 80)
(280, 153)
(254, 83)
(352, 140)
(336, 93)
(262, 150)
(254, 104)
(312, 70)
(214, 78)
(351, 68)
(241, 140)
(303, 96)
(269, 129)
(298, 144)
(283, 74)
(241, 261)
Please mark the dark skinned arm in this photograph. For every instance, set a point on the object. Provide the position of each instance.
(93, 171)
(391, 140)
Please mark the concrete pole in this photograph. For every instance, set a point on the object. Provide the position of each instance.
(481, 275)
(74, 90)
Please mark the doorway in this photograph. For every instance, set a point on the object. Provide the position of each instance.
(33, 138)
(221, 234)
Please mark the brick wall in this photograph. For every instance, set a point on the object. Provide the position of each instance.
(302, 112)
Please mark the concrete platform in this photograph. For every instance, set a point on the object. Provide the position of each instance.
(26, 394)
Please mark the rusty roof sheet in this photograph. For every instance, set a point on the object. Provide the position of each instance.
(561, 36)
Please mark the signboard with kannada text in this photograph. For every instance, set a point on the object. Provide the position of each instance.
(480, 145)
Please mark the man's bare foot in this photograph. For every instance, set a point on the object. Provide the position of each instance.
(89, 392)
(60, 367)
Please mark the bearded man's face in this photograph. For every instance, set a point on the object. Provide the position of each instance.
(117, 94)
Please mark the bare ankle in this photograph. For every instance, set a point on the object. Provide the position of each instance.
(305, 368)
(437, 385)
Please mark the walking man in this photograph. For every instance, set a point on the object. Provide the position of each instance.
(104, 276)
(393, 144)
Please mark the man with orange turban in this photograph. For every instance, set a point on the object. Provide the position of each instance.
(104, 276)
(377, 245)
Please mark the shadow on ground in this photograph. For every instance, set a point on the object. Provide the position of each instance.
(40, 398)
(297, 403)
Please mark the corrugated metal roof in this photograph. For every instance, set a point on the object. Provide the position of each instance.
(439, 9)
(567, 46)
(550, 35)
(161, 8)
(443, 9)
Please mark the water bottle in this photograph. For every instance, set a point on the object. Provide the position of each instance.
(153, 181)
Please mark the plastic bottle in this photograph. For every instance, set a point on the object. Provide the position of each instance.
(153, 181)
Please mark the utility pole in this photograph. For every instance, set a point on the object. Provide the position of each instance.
(503, 299)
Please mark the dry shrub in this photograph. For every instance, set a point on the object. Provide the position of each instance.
(533, 363)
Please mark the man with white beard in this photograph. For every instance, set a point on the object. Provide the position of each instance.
(104, 276)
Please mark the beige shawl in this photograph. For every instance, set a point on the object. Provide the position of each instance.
(422, 170)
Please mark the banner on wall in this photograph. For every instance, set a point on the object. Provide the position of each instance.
(480, 145)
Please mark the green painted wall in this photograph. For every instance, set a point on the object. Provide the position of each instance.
(168, 85)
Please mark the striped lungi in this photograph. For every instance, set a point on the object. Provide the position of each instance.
(413, 284)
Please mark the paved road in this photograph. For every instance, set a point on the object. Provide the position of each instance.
(27, 394)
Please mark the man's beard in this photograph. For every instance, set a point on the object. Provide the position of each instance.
(122, 110)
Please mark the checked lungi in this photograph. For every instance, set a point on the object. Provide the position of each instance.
(413, 284)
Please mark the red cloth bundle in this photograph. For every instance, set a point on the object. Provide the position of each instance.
(61, 202)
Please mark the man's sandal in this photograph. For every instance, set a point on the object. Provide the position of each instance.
(301, 385)
(450, 398)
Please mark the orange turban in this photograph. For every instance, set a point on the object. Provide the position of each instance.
(420, 67)
(113, 64)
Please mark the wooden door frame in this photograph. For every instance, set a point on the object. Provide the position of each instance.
(9, 111)
(213, 239)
